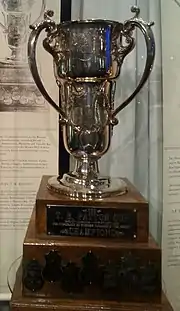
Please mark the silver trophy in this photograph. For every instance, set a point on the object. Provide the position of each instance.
(87, 58)
(15, 25)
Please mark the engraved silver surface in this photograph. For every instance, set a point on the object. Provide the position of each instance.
(88, 56)
(96, 188)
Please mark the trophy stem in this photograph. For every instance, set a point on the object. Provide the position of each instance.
(85, 175)
(86, 169)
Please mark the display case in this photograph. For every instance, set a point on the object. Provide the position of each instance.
(80, 251)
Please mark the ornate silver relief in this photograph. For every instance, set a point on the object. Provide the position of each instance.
(87, 59)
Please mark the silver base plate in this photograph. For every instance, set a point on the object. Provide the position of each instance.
(81, 189)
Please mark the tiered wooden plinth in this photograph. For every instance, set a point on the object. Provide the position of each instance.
(23, 303)
(96, 256)
(51, 257)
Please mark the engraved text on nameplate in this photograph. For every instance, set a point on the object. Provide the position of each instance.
(91, 222)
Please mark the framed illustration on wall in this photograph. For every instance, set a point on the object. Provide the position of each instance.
(30, 140)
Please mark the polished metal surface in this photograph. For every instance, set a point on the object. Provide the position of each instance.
(94, 189)
(88, 56)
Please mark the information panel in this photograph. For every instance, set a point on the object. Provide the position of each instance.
(171, 135)
(28, 126)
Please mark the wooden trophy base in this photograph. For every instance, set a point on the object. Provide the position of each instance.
(89, 255)
(90, 268)
(124, 217)
(21, 303)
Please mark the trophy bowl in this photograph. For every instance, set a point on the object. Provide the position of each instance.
(87, 57)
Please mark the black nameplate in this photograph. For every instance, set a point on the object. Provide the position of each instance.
(91, 222)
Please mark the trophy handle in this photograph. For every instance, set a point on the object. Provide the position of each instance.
(50, 26)
(145, 28)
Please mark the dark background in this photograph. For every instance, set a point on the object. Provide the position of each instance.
(63, 155)
(4, 306)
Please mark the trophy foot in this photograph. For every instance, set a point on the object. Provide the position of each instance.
(83, 189)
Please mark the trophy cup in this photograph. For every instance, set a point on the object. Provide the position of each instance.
(14, 68)
(88, 246)
(87, 58)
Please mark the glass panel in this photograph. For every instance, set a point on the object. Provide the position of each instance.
(136, 147)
